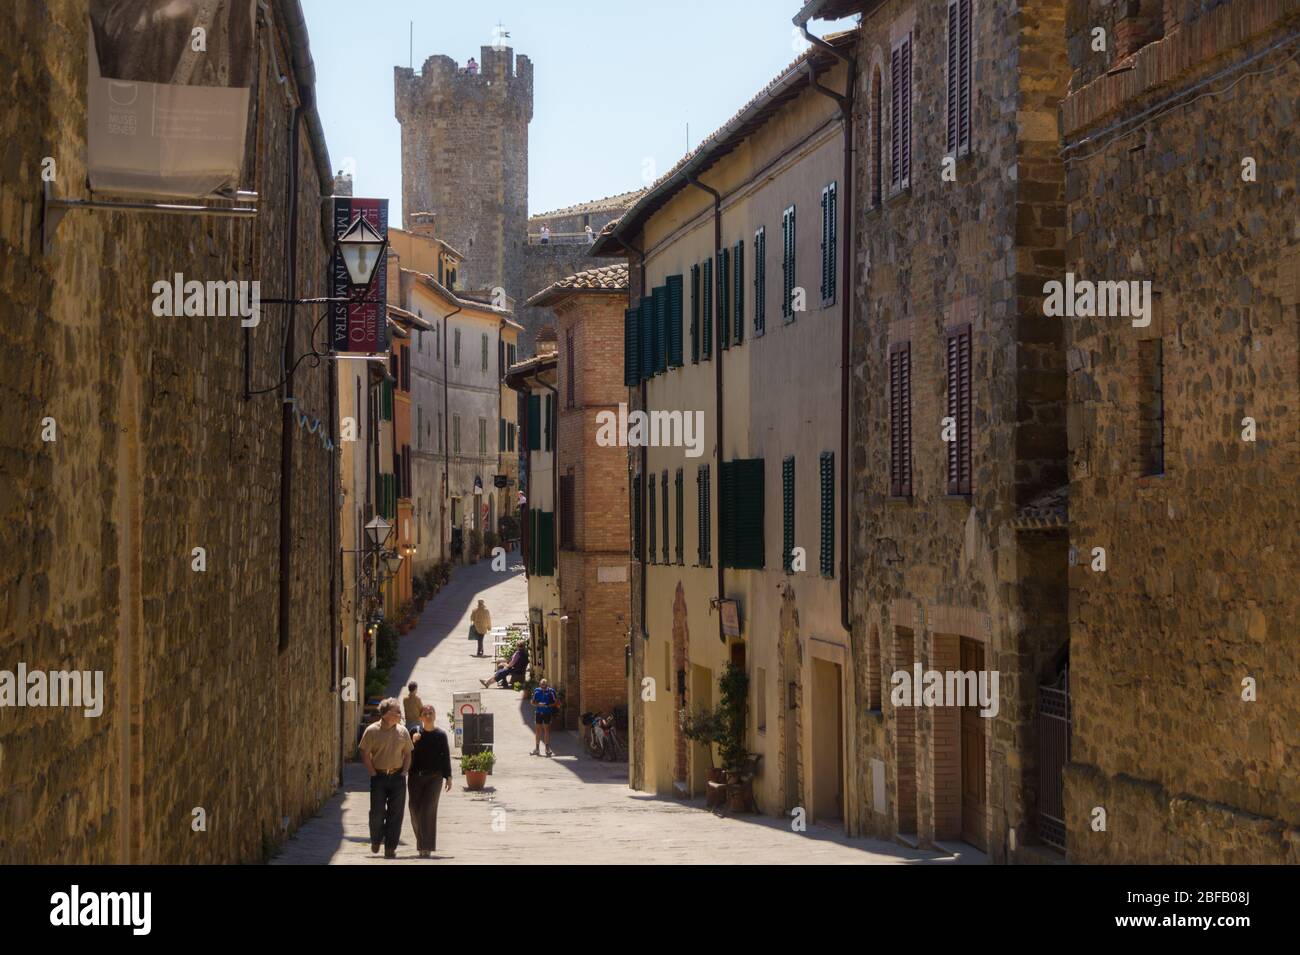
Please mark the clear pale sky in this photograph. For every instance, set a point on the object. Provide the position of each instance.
(614, 85)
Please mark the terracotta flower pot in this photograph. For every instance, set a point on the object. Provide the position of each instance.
(475, 779)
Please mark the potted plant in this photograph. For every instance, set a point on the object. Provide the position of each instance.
(476, 767)
(705, 727)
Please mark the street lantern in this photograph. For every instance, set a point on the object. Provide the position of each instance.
(361, 247)
(392, 561)
(378, 530)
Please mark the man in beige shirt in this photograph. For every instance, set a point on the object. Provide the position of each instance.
(411, 707)
(480, 622)
(386, 750)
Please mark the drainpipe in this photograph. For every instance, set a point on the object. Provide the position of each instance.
(286, 405)
(555, 468)
(717, 374)
(446, 436)
(845, 101)
(640, 254)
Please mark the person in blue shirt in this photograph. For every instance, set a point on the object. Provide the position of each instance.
(545, 702)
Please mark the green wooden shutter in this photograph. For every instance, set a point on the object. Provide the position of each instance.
(651, 536)
(662, 344)
(760, 280)
(631, 343)
(664, 504)
(647, 338)
(785, 264)
(534, 422)
(739, 256)
(532, 542)
(703, 513)
(695, 314)
(787, 512)
(741, 492)
(706, 299)
(828, 514)
(680, 494)
(724, 299)
(675, 321)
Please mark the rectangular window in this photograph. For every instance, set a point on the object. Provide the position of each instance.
(787, 264)
(549, 424)
(740, 494)
(760, 280)
(567, 538)
(724, 298)
(674, 286)
(511, 430)
(829, 244)
(637, 553)
(787, 514)
(738, 256)
(455, 434)
(695, 314)
(660, 298)
(1151, 406)
(900, 420)
(455, 353)
(959, 77)
(631, 345)
(437, 341)
(828, 514)
(482, 435)
(680, 493)
(959, 409)
(485, 353)
(501, 434)
(706, 320)
(533, 437)
(652, 552)
(647, 350)
(512, 354)
(703, 509)
(570, 369)
(664, 503)
(900, 126)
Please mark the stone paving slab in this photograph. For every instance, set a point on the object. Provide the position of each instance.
(560, 810)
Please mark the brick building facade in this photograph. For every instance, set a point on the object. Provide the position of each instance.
(160, 451)
(1181, 154)
(591, 510)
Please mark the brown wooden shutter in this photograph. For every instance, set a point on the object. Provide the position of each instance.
(958, 346)
(907, 110)
(895, 116)
(900, 420)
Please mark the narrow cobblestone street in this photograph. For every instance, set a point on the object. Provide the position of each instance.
(568, 809)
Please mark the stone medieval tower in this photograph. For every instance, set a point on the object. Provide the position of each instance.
(465, 157)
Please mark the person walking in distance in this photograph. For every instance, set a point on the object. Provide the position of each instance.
(386, 750)
(412, 706)
(480, 622)
(544, 700)
(430, 768)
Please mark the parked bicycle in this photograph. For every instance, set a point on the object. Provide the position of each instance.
(605, 735)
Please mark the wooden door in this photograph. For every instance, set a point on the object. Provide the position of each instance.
(973, 783)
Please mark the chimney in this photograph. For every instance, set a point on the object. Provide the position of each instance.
(343, 184)
(423, 223)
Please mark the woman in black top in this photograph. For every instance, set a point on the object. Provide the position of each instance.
(430, 768)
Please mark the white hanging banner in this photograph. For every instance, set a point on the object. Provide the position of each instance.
(167, 96)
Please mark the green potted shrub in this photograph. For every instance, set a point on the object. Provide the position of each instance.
(476, 767)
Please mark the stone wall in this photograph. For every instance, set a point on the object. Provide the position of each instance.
(931, 568)
(542, 265)
(1198, 594)
(158, 452)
